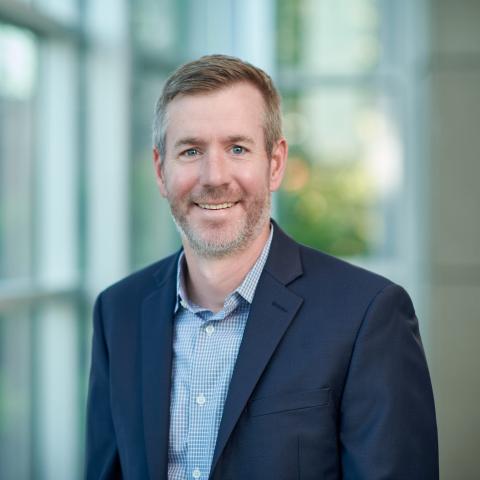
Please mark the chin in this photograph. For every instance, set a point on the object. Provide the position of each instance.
(216, 243)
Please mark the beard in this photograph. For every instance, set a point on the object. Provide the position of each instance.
(216, 240)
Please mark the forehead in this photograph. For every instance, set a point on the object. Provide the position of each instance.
(234, 110)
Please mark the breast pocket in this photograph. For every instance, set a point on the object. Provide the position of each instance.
(289, 402)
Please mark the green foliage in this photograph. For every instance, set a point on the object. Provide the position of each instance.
(329, 206)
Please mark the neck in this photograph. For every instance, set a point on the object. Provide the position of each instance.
(208, 281)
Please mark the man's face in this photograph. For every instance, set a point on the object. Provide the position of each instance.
(216, 174)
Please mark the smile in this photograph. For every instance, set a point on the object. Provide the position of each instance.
(217, 206)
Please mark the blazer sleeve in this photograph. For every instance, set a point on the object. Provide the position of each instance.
(387, 414)
(102, 461)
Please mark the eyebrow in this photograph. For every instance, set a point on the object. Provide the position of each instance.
(240, 139)
(182, 142)
(186, 141)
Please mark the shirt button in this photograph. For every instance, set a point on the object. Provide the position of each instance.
(209, 329)
(196, 473)
(201, 399)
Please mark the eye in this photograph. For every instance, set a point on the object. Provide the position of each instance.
(191, 152)
(238, 150)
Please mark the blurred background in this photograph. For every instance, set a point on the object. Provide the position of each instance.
(382, 113)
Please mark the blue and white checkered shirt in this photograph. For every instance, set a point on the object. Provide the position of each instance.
(205, 348)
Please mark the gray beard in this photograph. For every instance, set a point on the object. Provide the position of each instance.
(218, 248)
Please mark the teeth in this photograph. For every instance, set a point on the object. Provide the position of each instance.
(218, 206)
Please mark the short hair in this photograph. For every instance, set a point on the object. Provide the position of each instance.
(211, 73)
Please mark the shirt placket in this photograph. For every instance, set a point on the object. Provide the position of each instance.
(202, 403)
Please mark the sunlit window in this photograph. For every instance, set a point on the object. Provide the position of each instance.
(39, 292)
(341, 119)
(158, 45)
(18, 72)
(18, 69)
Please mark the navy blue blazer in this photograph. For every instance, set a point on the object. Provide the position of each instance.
(330, 382)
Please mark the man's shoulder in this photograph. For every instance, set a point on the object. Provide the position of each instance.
(336, 277)
(338, 284)
(322, 268)
(316, 261)
(144, 280)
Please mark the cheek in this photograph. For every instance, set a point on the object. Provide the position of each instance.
(254, 181)
(179, 185)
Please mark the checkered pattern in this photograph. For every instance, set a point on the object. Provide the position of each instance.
(205, 348)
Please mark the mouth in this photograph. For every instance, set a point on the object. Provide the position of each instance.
(216, 206)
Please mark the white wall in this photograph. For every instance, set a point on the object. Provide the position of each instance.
(453, 78)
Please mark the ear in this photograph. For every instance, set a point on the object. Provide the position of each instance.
(159, 173)
(278, 162)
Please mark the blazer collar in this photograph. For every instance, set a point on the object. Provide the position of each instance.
(284, 262)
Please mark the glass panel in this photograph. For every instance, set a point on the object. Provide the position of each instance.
(153, 235)
(344, 171)
(154, 26)
(57, 181)
(329, 36)
(40, 410)
(18, 67)
(15, 395)
(64, 10)
(57, 406)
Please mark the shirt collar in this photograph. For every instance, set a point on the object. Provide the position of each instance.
(246, 289)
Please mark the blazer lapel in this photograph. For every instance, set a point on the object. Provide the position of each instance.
(157, 328)
(272, 310)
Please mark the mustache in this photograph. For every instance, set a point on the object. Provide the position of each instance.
(216, 194)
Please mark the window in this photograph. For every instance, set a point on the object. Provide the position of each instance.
(19, 54)
(339, 72)
(41, 299)
(157, 52)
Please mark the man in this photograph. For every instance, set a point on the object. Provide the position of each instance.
(246, 355)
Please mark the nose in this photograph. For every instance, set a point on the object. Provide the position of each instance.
(214, 169)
